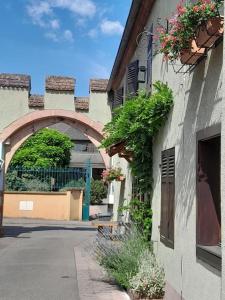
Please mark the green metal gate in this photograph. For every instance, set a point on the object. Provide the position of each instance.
(87, 192)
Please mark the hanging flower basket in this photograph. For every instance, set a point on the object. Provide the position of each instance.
(112, 174)
(120, 149)
(210, 32)
(197, 18)
(192, 55)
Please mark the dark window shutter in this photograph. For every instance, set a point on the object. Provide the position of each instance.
(149, 58)
(118, 98)
(167, 197)
(132, 78)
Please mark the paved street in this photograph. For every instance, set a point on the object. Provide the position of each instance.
(51, 260)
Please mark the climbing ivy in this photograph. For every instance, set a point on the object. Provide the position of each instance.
(137, 122)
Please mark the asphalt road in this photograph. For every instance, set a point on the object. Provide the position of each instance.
(37, 260)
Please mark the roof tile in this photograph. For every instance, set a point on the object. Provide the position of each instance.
(60, 84)
(98, 85)
(15, 81)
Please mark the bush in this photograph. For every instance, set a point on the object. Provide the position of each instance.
(14, 183)
(25, 183)
(140, 213)
(80, 183)
(149, 281)
(121, 258)
(36, 185)
(98, 192)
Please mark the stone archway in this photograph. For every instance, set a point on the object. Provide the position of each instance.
(13, 136)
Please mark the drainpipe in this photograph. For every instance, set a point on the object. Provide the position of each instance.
(1, 185)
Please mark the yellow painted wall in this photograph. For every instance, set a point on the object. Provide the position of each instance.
(50, 206)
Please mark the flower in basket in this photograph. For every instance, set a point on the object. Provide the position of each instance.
(183, 26)
(112, 174)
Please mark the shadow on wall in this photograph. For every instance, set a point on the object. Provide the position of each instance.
(203, 97)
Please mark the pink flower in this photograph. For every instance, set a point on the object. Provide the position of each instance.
(196, 8)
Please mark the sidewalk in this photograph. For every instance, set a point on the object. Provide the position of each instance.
(93, 284)
(21, 221)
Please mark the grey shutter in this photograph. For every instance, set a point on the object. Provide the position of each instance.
(167, 197)
(132, 78)
(118, 98)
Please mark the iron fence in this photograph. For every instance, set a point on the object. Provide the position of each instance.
(42, 179)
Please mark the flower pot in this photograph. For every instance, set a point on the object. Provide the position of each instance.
(120, 178)
(209, 33)
(192, 55)
(136, 296)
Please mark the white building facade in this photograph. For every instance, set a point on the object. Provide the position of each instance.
(189, 211)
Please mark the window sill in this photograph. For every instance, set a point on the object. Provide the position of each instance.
(168, 243)
(211, 255)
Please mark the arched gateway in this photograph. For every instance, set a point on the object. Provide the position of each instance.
(14, 135)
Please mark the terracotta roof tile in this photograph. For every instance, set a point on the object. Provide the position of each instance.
(81, 103)
(98, 85)
(15, 81)
(59, 83)
(36, 101)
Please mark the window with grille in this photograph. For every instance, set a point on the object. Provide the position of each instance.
(167, 197)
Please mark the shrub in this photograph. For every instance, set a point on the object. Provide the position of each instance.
(120, 258)
(140, 214)
(136, 123)
(36, 185)
(98, 192)
(149, 281)
(14, 183)
(80, 183)
(25, 183)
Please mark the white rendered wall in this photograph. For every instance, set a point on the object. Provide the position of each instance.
(198, 105)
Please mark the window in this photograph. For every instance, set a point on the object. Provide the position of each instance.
(132, 78)
(118, 98)
(84, 146)
(167, 197)
(208, 199)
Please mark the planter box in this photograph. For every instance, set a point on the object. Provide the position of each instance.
(192, 55)
(209, 33)
(135, 296)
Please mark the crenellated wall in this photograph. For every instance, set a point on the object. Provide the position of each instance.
(16, 99)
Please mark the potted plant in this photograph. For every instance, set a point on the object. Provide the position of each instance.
(180, 40)
(191, 55)
(210, 32)
(111, 174)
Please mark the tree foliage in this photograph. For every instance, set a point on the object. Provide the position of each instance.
(46, 148)
(98, 192)
(137, 122)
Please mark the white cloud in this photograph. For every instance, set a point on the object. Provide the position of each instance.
(111, 27)
(37, 11)
(55, 24)
(93, 33)
(81, 22)
(58, 37)
(52, 36)
(85, 8)
(68, 35)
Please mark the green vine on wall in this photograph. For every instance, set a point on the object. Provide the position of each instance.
(137, 122)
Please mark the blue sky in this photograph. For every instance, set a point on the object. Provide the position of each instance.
(78, 38)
